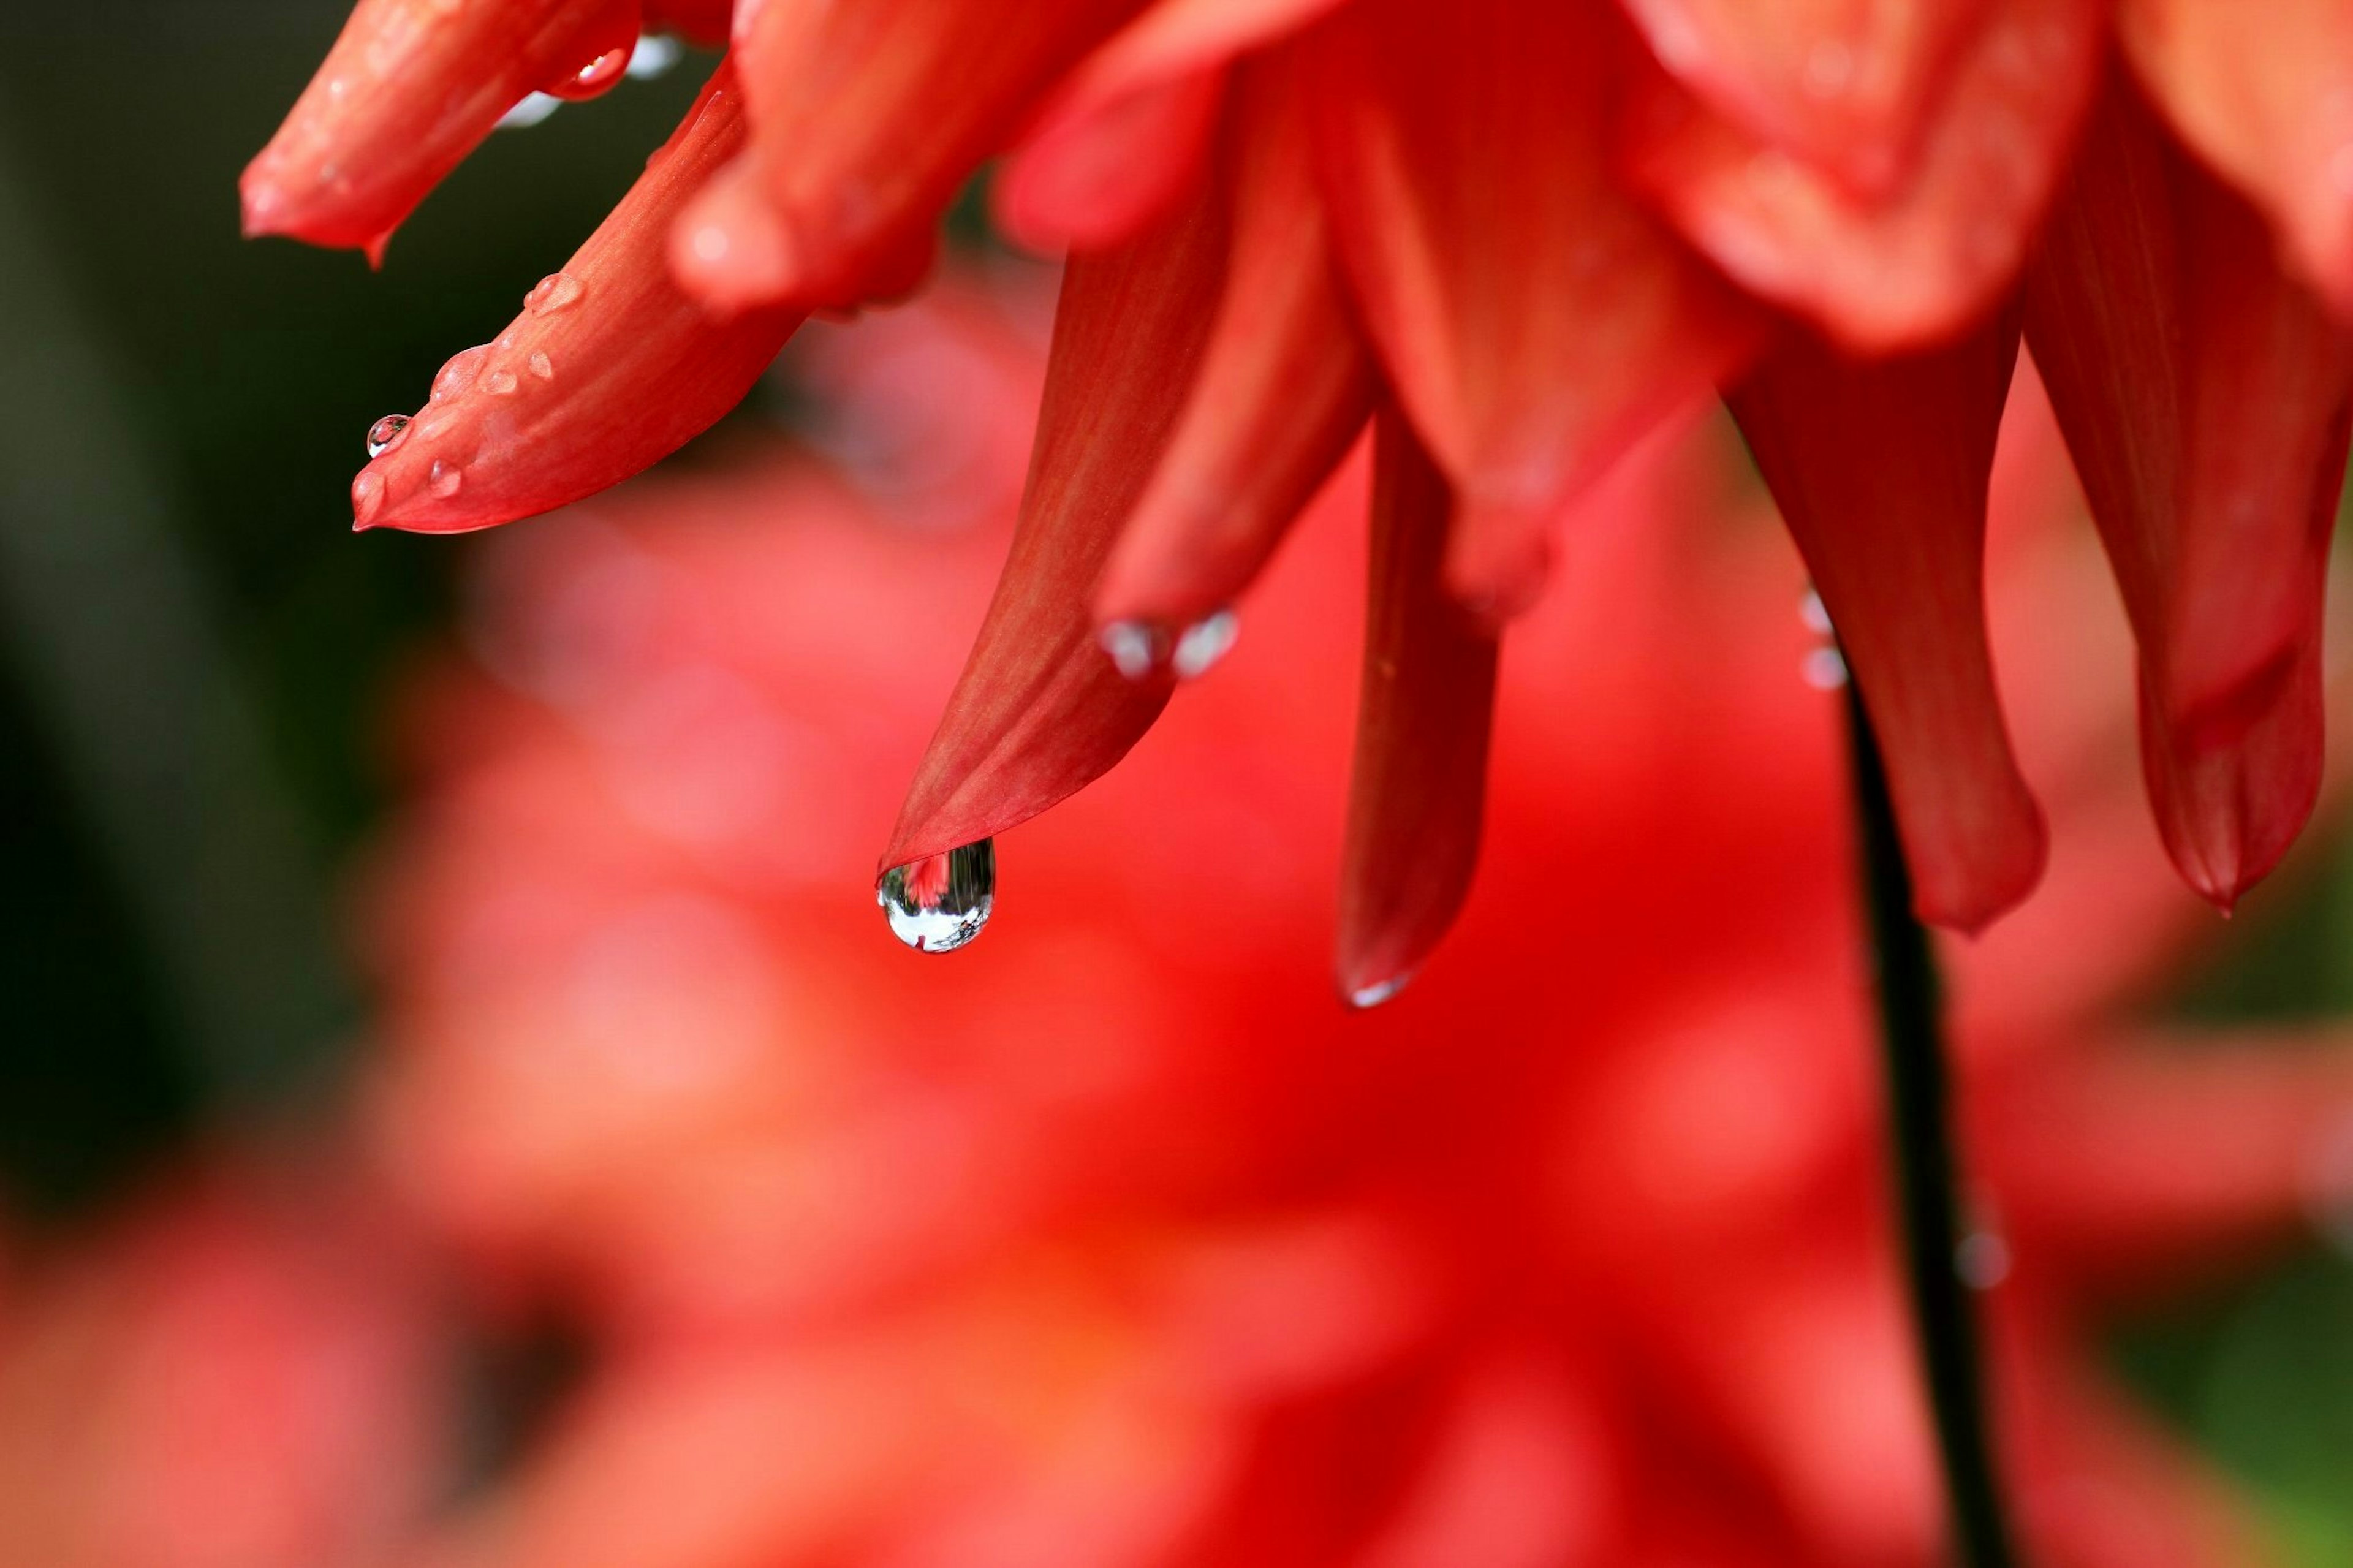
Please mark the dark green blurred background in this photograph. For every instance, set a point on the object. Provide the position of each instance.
(194, 649)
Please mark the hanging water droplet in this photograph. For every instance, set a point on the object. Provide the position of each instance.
(1374, 996)
(1824, 669)
(499, 382)
(459, 374)
(601, 72)
(1203, 643)
(556, 291)
(1135, 646)
(542, 367)
(939, 904)
(367, 497)
(1812, 611)
(385, 434)
(445, 479)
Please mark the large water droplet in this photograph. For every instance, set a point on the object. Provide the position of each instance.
(458, 374)
(385, 434)
(939, 904)
(556, 291)
(1203, 643)
(445, 479)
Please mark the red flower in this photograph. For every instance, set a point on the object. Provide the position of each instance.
(1536, 234)
(1115, 1244)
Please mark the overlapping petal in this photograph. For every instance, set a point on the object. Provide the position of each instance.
(1039, 712)
(409, 88)
(867, 118)
(2206, 397)
(1881, 469)
(1845, 86)
(609, 368)
(1920, 263)
(2265, 93)
(1534, 319)
(1285, 389)
(1417, 793)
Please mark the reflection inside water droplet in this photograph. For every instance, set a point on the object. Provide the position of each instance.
(939, 904)
(1203, 643)
(387, 433)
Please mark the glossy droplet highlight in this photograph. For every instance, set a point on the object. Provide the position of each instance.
(385, 434)
(499, 382)
(459, 374)
(445, 479)
(1824, 669)
(939, 904)
(367, 497)
(603, 71)
(1374, 996)
(1136, 647)
(556, 291)
(542, 367)
(1203, 643)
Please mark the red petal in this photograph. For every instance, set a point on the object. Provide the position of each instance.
(1881, 470)
(1418, 792)
(2205, 398)
(409, 88)
(704, 21)
(1843, 85)
(1534, 322)
(1120, 142)
(1285, 389)
(866, 119)
(1039, 712)
(2265, 93)
(1922, 263)
(608, 370)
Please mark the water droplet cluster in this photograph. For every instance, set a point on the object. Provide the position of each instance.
(939, 904)
(1142, 649)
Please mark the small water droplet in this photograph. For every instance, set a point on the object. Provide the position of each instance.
(368, 497)
(447, 479)
(499, 382)
(337, 87)
(385, 434)
(556, 291)
(1824, 669)
(939, 904)
(1374, 996)
(1815, 616)
(542, 367)
(1135, 646)
(1203, 643)
(603, 71)
(459, 374)
(1982, 1261)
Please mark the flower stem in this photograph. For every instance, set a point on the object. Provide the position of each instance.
(1912, 1039)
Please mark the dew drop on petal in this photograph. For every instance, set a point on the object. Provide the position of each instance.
(499, 382)
(601, 72)
(459, 374)
(1374, 996)
(368, 497)
(1813, 614)
(445, 479)
(939, 904)
(1203, 643)
(556, 291)
(1824, 669)
(1982, 1261)
(1136, 647)
(386, 434)
(542, 367)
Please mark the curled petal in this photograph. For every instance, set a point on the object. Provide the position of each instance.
(1881, 469)
(1534, 320)
(410, 87)
(1285, 387)
(1843, 85)
(866, 119)
(2264, 94)
(1119, 142)
(1416, 794)
(609, 368)
(1039, 712)
(1921, 263)
(2205, 398)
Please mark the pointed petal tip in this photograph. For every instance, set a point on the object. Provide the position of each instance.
(1979, 892)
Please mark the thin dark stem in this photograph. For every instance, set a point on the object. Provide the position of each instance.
(1912, 1037)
